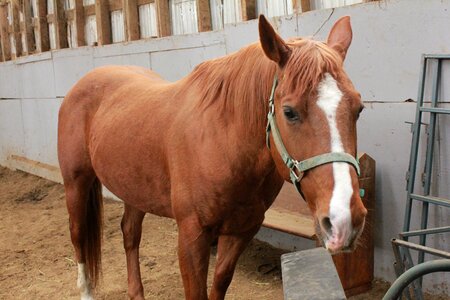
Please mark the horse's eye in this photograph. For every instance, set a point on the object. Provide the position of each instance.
(290, 114)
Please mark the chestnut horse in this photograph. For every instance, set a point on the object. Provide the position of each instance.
(195, 150)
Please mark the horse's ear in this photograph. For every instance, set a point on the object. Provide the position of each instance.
(340, 36)
(273, 45)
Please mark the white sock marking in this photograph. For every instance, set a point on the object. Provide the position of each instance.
(83, 283)
(329, 98)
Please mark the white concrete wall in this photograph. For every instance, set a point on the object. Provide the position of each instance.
(383, 62)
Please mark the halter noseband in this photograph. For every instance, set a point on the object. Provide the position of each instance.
(300, 166)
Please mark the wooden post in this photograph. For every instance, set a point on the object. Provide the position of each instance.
(4, 35)
(29, 32)
(162, 10)
(131, 15)
(204, 15)
(103, 22)
(305, 5)
(16, 28)
(42, 26)
(79, 22)
(60, 24)
(248, 8)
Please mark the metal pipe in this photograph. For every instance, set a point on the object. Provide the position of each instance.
(439, 265)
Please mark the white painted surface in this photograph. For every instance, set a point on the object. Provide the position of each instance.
(274, 8)
(117, 26)
(148, 20)
(225, 12)
(90, 30)
(383, 62)
(183, 14)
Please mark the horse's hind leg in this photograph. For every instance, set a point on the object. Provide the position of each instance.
(230, 247)
(84, 204)
(132, 229)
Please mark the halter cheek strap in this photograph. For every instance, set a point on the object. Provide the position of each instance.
(298, 168)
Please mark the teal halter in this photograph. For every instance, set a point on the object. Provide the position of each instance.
(298, 168)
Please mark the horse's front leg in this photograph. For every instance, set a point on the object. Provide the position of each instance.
(194, 245)
(229, 249)
(132, 230)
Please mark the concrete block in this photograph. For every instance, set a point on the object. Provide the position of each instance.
(139, 59)
(162, 44)
(69, 66)
(37, 79)
(40, 123)
(10, 81)
(239, 35)
(310, 274)
(11, 129)
(175, 64)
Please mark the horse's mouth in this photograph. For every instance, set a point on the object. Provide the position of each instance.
(350, 246)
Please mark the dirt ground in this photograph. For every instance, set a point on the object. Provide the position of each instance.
(37, 257)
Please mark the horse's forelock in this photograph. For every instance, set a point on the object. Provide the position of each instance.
(308, 63)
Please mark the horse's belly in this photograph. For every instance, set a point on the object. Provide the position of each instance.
(131, 165)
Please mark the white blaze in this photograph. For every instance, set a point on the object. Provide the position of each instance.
(83, 283)
(329, 98)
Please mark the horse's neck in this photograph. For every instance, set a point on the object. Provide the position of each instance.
(236, 88)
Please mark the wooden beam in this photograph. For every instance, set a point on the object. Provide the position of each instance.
(89, 10)
(248, 8)
(29, 31)
(305, 5)
(16, 28)
(103, 22)
(131, 15)
(143, 2)
(162, 10)
(204, 16)
(60, 25)
(115, 5)
(42, 26)
(6, 44)
(79, 22)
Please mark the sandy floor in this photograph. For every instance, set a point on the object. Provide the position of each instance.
(37, 257)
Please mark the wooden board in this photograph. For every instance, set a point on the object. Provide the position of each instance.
(296, 224)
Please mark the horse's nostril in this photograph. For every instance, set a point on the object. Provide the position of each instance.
(326, 225)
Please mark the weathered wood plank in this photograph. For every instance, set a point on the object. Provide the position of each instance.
(16, 28)
(79, 22)
(89, 10)
(305, 5)
(204, 16)
(131, 19)
(248, 8)
(42, 26)
(115, 5)
(289, 222)
(29, 31)
(162, 10)
(60, 25)
(4, 35)
(103, 22)
(142, 2)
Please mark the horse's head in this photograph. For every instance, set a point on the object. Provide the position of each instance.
(312, 133)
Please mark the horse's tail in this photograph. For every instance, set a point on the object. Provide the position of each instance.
(92, 245)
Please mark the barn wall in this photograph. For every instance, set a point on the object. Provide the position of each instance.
(383, 62)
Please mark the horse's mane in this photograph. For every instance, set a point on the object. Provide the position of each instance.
(240, 83)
